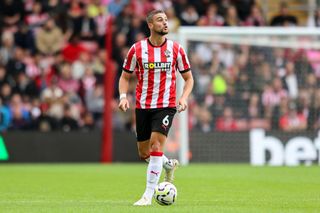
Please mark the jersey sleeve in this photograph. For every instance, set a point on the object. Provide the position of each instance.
(130, 61)
(182, 61)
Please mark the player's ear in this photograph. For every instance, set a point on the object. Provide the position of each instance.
(150, 25)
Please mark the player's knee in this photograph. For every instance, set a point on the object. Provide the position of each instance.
(155, 147)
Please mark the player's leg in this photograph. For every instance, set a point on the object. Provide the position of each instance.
(143, 129)
(144, 150)
(154, 169)
(144, 154)
(162, 121)
(155, 165)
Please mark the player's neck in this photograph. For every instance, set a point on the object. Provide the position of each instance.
(157, 40)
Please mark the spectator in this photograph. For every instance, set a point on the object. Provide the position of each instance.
(306, 108)
(262, 77)
(28, 5)
(101, 22)
(173, 20)
(24, 38)
(36, 17)
(255, 114)
(99, 62)
(142, 7)
(68, 123)
(16, 64)
(116, 6)
(45, 122)
(78, 67)
(226, 55)
(231, 17)
(314, 20)
(123, 21)
(34, 109)
(54, 8)
(12, 13)
(88, 122)
(94, 101)
(26, 86)
(135, 29)
(6, 93)
(316, 110)
(291, 80)
(211, 17)
(7, 47)
(4, 117)
(189, 16)
(205, 50)
(219, 85)
(162, 5)
(66, 81)
(202, 5)
(52, 93)
(284, 18)
(242, 93)
(20, 116)
(73, 49)
(88, 80)
(216, 65)
(52, 107)
(204, 120)
(94, 8)
(255, 17)
(226, 122)
(272, 95)
(293, 120)
(49, 39)
(254, 106)
(244, 8)
(75, 10)
(85, 26)
(119, 43)
(317, 124)
(3, 76)
(33, 65)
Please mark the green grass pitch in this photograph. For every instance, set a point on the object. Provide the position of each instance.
(201, 188)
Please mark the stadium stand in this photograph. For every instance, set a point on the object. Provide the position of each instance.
(52, 57)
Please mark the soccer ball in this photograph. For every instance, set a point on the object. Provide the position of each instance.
(165, 193)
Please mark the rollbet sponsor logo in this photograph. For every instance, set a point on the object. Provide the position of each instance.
(298, 150)
(157, 65)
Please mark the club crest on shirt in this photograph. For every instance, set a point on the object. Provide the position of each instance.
(167, 53)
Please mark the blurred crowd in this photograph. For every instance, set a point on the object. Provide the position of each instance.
(53, 56)
(240, 87)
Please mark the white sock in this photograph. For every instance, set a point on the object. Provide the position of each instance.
(164, 162)
(153, 173)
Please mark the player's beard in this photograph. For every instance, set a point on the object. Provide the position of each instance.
(162, 32)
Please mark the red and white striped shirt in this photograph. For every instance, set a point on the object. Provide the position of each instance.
(156, 67)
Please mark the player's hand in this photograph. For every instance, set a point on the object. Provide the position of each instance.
(182, 105)
(124, 104)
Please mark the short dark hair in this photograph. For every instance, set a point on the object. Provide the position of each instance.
(151, 14)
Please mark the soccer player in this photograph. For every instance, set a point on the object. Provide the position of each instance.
(155, 61)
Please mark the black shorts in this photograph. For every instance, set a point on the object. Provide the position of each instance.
(153, 120)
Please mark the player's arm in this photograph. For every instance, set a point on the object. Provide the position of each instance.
(188, 85)
(127, 69)
(123, 89)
